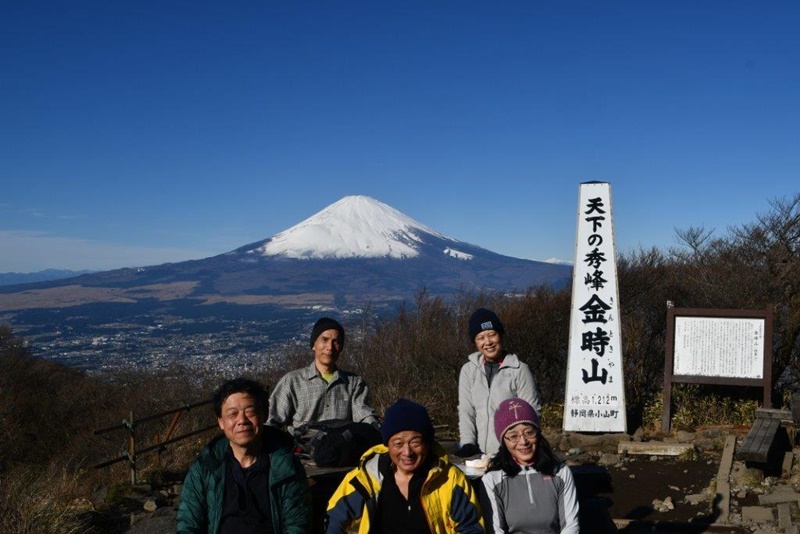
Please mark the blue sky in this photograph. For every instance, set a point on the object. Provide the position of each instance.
(135, 133)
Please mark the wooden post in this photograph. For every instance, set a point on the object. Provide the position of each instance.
(668, 363)
(132, 448)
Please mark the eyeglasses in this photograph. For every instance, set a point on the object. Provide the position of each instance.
(414, 443)
(530, 434)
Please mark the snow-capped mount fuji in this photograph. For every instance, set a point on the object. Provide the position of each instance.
(356, 251)
(361, 250)
(356, 227)
(356, 254)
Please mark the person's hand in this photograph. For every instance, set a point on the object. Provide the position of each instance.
(467, 449)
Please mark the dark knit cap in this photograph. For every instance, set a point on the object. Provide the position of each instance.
(484, 319)
(512, 412)
(406, 415)
(326, 323)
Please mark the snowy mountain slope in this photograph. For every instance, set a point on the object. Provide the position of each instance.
(353, 227)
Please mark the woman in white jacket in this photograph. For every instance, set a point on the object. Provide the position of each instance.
(527, 488)
(490, 376)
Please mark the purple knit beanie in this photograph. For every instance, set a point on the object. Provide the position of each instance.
(512, 412)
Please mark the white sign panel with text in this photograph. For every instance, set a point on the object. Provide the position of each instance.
(595, 394)
(719, 346)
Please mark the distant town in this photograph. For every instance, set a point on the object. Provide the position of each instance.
(207, 343)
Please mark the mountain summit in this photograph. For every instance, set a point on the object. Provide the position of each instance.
(356, 251)
(354, 255)
(353, 227)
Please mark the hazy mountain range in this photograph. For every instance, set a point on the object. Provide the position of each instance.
(7, 279)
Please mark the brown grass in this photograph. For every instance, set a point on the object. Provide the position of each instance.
(41, 500)
(76, 295)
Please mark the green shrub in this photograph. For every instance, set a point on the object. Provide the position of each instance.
(553, 416)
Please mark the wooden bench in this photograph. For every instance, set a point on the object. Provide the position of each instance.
(759, 441)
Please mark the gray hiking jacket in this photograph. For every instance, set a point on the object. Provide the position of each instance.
(477, 402)
(531, 502)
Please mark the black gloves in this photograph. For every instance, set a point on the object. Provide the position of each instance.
(467, 449)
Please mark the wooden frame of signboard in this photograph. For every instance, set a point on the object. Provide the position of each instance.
(702, 332)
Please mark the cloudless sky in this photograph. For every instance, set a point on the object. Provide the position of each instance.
(135, 133)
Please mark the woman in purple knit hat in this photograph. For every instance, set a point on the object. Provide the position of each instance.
(527, 487)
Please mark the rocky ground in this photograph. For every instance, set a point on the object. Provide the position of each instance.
(689, 482)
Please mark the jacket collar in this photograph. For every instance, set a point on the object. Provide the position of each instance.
(369, 460)
(509, 360)
(310, 373)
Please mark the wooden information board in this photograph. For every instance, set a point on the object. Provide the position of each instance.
(708, 346)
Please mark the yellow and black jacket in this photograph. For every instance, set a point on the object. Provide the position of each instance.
(449, 500)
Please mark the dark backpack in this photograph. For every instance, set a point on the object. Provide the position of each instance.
(339, 443)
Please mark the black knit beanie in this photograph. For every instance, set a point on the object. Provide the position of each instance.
(484, 319)
(326, 323)
(406, 415)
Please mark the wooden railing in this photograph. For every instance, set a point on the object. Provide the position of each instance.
(161, 441)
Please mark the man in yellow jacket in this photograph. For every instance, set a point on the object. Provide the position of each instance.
(407, 484)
